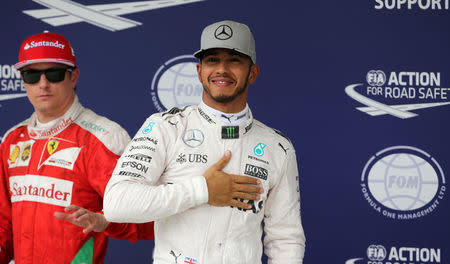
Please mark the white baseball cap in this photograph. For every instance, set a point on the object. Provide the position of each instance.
(229, 35)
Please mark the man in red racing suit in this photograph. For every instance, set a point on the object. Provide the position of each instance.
(46, 166)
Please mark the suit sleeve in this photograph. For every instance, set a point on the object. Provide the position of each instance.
(6, 240)
(284, 241)
(136, 193)
(100, 165)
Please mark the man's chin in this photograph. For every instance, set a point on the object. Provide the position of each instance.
(224, 98)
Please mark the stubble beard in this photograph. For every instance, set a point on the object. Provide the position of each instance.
(221, 98)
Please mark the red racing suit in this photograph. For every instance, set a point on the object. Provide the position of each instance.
(45, 170)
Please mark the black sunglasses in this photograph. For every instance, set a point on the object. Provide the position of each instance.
(53, 75)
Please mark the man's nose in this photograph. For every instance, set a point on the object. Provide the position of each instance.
(222, 67)
(43, 82)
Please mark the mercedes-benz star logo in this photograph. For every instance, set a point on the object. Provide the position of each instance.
(193, 138)
(223, 32)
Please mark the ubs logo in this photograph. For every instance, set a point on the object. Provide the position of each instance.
(193, 138)
(192, 158)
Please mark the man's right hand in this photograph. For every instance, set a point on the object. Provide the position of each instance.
(224, 189)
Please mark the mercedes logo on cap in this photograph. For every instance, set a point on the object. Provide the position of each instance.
(223, 32)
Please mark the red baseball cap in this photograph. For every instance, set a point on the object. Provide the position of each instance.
(46, 47)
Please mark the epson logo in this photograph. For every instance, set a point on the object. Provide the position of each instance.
(412, 4)
(34, 44)
(256, 171)
(135, 165)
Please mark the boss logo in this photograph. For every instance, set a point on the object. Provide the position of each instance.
(256, 171)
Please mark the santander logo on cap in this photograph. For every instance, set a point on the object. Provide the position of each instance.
(34, 44)
(46, 47)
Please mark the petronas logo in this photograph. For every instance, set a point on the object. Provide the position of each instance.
(259, 149)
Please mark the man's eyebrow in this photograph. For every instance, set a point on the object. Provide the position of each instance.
(236, 53)
(210, 53)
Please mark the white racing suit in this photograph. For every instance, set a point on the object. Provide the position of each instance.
(159, 178)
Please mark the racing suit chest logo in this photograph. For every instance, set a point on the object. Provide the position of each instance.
(20, 153)
(148, 128)
(42, 189)
(258, 150)
(193, 138)
(26, 152)
(59, 152)
(230, 132)
(52, 146)
(192, 158)
(256, 171)
(14, 154)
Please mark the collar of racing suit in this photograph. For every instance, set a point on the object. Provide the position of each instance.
(232, 119)
(39, 132)
(228, 131)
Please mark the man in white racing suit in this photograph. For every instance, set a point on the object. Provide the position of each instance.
(175, 172)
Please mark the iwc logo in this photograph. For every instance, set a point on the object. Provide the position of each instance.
(403, 183)
(176, 84)
(223, 32)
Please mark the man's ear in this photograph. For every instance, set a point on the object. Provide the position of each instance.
(254, 72)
